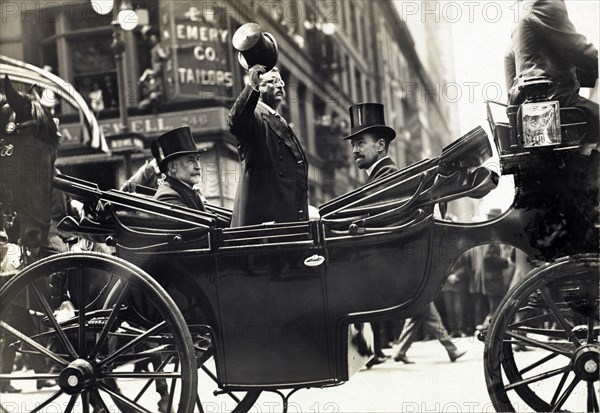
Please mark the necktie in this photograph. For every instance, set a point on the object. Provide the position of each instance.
(199, 200)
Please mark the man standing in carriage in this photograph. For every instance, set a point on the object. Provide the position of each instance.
(274, 181)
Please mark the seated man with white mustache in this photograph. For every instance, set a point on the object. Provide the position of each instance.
(182, 167)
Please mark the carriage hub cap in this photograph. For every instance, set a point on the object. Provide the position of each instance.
(76, 377)
(586, 363)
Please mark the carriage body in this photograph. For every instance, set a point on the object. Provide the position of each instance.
(277, 304)
(281, 299)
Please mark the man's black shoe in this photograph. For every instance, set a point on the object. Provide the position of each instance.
(375, 361)
(403, 359)
(455, 355)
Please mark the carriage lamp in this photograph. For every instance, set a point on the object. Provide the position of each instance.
(540, 124)
(540, 117)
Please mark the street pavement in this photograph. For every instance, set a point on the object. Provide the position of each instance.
(432, 384)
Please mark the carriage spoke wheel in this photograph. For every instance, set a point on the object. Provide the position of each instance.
(209, 395)
(92, 354)
(542, 347)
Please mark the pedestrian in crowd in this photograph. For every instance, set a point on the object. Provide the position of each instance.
(180, 162)
(148, 176)
(454, 295)
(10, 266)
(493, 267)
(477, 298)
(96, 99)
(152, 91)
(274, 181)
(370, 139)
(158, 54)
(429, 321)
(494, 283)
(544, 42)
(56, 291)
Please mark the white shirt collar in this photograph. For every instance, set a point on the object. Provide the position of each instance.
(370, 168)
(269, 108)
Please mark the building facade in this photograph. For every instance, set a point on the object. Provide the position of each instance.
(178, 67)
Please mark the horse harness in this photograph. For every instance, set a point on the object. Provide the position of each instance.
(13, 128)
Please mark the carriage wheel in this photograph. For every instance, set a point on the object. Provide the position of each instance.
(542, 346)
(183, 290)
(92, 355)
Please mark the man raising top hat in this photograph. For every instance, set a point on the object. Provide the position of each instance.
(181, 164)
(370, 139)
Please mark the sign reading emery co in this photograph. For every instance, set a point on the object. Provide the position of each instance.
(199, 44)
(199, 120)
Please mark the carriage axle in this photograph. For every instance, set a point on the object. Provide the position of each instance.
(78, 376)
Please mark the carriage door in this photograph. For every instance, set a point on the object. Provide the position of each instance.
(273, 319)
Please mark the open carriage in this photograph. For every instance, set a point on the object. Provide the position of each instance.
(190, 305)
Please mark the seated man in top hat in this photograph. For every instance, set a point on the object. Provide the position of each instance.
(181, 164)
(370, 139)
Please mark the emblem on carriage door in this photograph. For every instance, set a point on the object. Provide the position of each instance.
(314, 260)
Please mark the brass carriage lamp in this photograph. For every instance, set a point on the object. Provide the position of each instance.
(540, 118)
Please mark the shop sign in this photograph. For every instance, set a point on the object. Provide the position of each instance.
(200, 121)
(198, 40)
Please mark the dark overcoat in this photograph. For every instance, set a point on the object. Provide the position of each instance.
(383, 168)
(176, 192)
(273, 185)
(544, 42)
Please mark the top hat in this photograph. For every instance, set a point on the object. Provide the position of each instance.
(176, 143)
(369, 117)
(255, 47)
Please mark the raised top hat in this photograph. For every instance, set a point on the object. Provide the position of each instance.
(255, 47)
(176, 143)
(368, 117)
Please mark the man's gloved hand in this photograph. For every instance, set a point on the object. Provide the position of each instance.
(255, 72)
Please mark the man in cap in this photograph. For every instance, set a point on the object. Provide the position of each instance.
(181, 164)
(274, 181)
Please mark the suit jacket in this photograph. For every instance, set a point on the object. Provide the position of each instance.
(383, 168)
(274, 178)
(176, 192)
(544, 42)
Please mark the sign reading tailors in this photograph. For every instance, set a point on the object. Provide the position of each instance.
(199, 41)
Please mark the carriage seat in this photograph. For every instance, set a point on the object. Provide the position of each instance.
(393, 200)
(270, 234)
